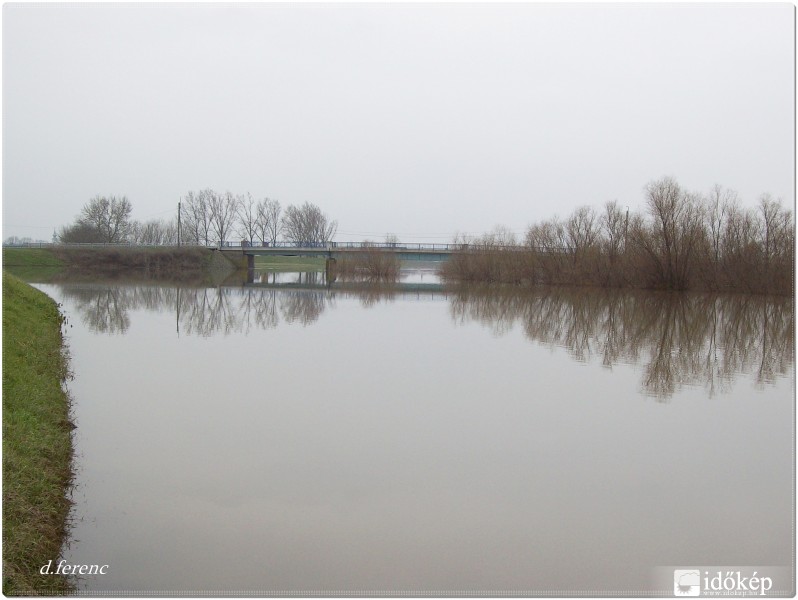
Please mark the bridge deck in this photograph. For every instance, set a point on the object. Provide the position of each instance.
(340, 249)
(329, 249)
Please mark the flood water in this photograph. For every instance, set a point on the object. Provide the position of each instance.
(287, 437)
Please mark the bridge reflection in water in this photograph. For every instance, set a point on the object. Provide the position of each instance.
(318, 281)
(676, 340)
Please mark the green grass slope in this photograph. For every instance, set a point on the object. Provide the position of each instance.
(32, 264)
(37, 443)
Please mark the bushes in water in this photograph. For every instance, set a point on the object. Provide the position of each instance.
(684, 241)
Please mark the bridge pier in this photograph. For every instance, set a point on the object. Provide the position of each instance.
(330, 270)
(239, 258)
(250, 260)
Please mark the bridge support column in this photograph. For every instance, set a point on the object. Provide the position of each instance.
(249, 259)
(330, 270)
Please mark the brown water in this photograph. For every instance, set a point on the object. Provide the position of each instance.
(296, 438)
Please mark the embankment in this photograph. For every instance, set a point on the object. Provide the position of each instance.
(27, 263)
(172, 263)
(37, 440)
(155, 263)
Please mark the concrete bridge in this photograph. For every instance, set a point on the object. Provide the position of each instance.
(335, 250)
(244, 254)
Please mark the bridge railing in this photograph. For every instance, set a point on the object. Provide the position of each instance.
(409, 246)
(283, 245)
(346, 245)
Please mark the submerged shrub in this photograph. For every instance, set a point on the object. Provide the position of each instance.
(684, 241)
(372, 264)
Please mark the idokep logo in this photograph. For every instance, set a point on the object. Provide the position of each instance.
(692, 582)
(686, 582)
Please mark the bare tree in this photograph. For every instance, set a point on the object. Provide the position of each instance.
(307, 224)
(769, 228)
(247, 213)
(223, 212)
(154, 233)
(170, 232)
(739, 231)
(581, 229)
(109, 217)
(268, 223)
(149, 233)
(548, 236)
(673, 238)
(275, 223)
(776, 238)
(614, 224)
(196, 225)
(499, 236)
(549, 245)
(739, 258)
(717, 206)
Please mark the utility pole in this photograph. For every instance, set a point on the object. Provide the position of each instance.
(178, 221)
(626, 231)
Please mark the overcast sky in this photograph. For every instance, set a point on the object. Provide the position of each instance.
(416, 119)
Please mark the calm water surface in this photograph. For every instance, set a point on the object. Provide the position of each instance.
(288, 437)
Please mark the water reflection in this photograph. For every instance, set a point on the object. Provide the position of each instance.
(198, 311)
(410, 437)
(206, 311)
(299, 278)
(678, 339)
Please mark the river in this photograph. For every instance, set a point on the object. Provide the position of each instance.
(287, 437)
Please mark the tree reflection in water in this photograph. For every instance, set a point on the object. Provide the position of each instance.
(199, 311)
(679, 338)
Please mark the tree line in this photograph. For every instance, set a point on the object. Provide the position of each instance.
(206, 218)
(683, 240)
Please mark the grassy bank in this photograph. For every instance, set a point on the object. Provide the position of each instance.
(175, 264)
(28, 263)
(37, 444)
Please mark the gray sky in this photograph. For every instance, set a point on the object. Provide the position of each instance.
(417, 119)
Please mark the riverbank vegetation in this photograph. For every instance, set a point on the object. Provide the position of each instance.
(37, 442)
(369, 264)
(154, 262)
(683, 241)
